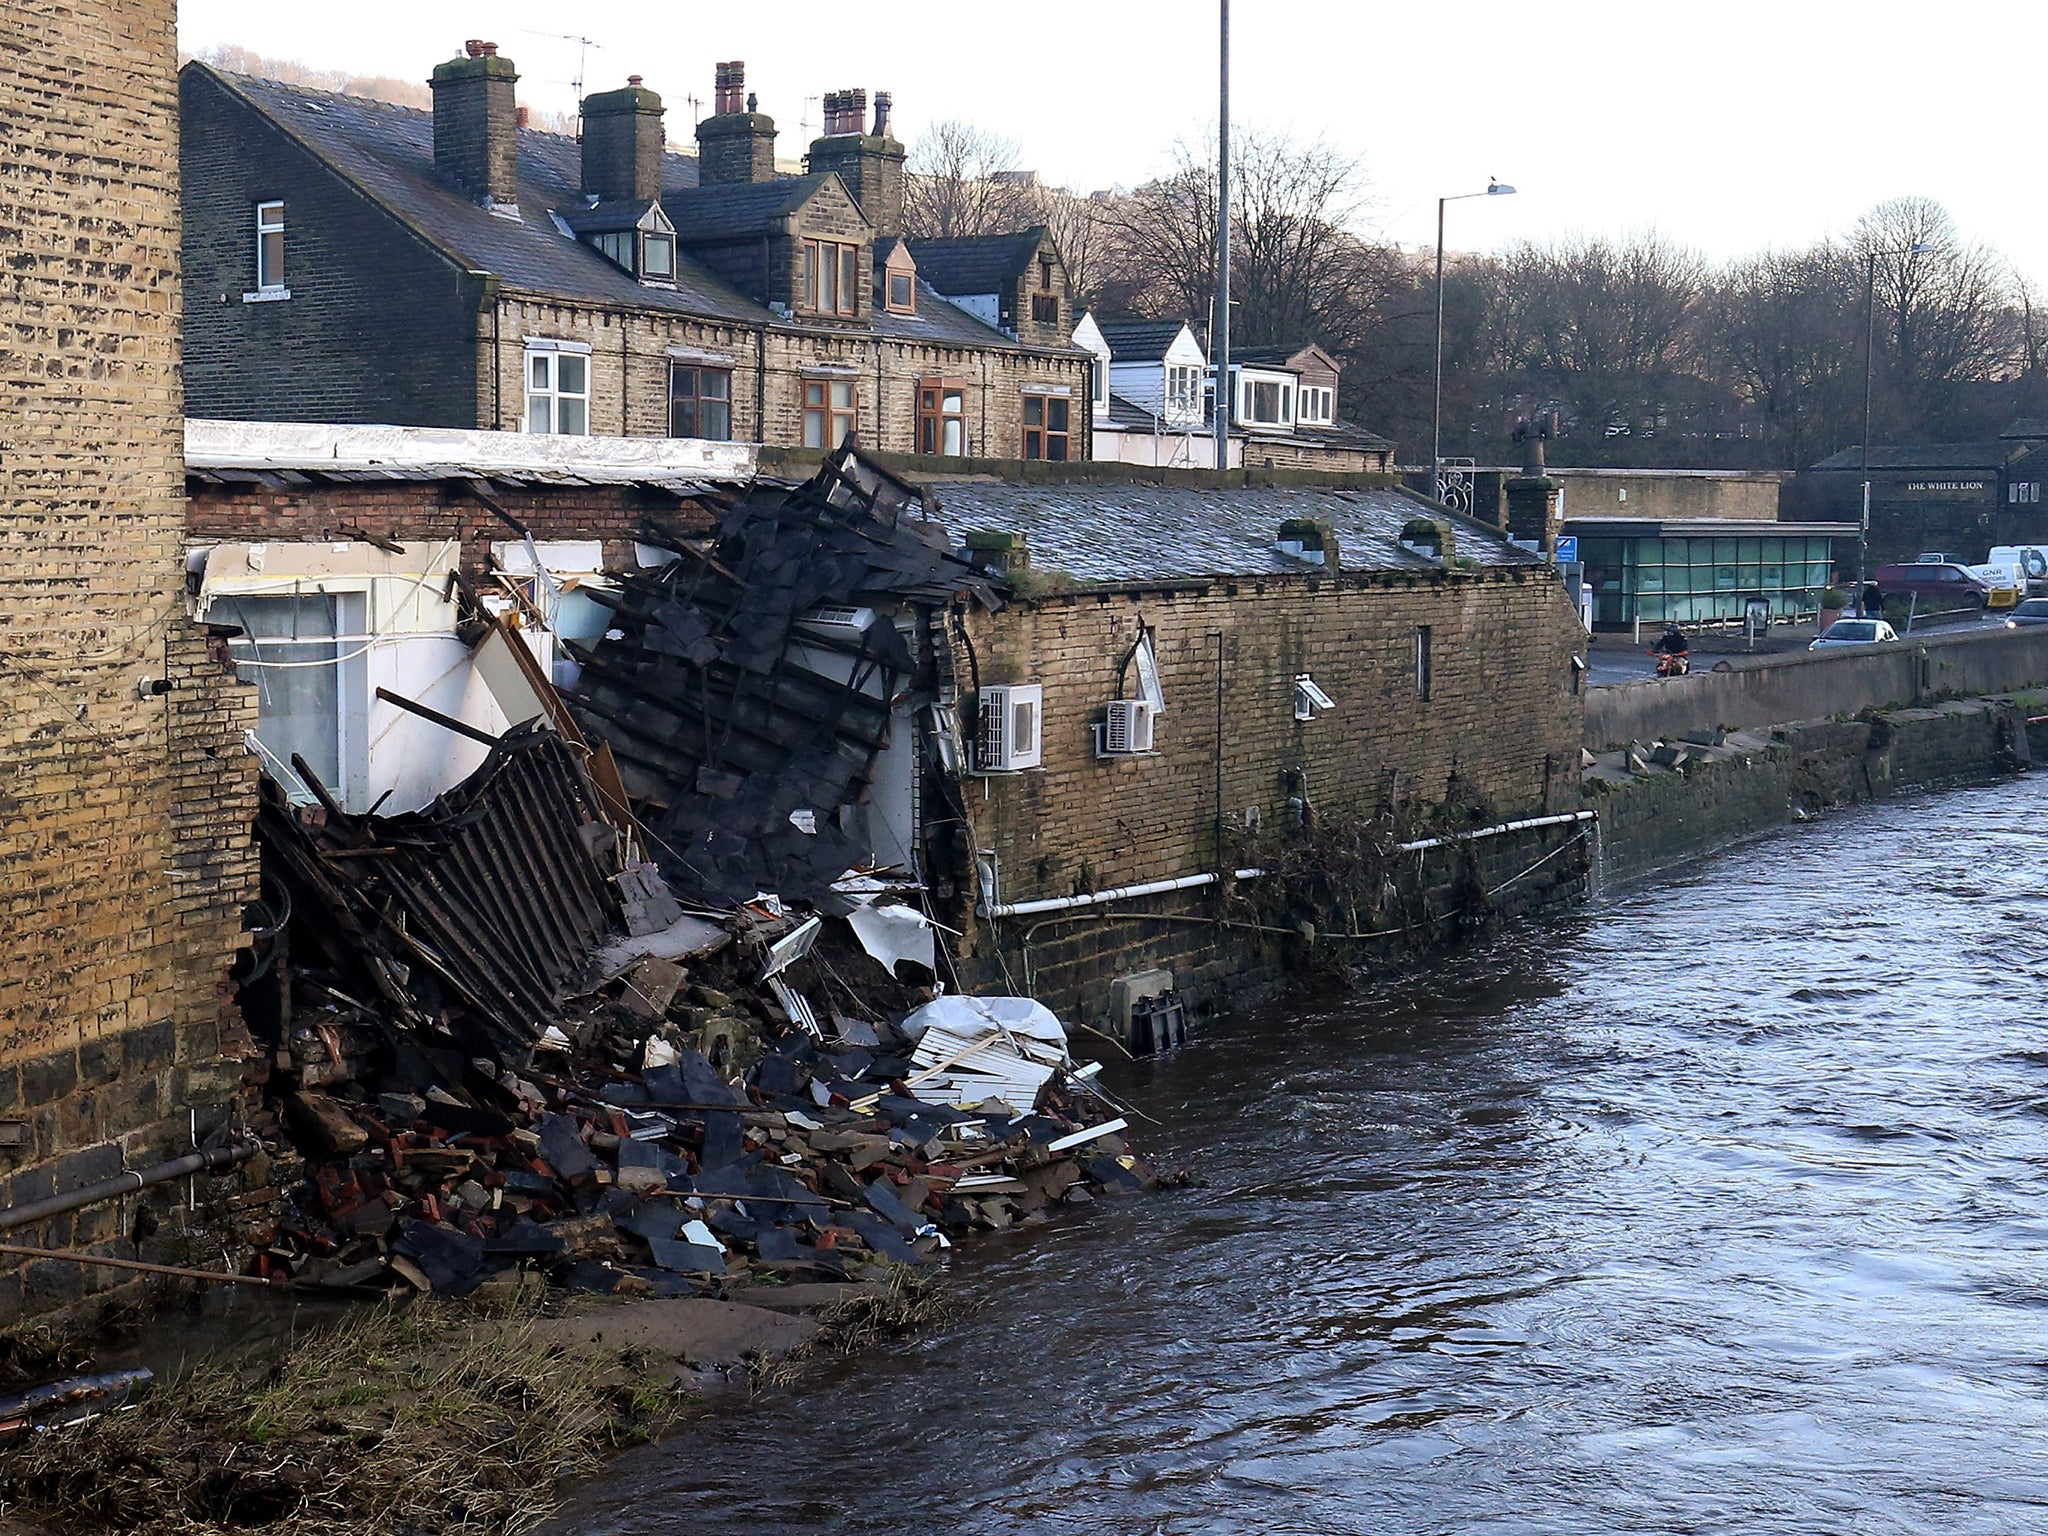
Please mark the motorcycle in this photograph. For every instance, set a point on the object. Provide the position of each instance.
(1670, 665)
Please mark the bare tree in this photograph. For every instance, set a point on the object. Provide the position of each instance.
(1299, 270)
(963, 181)
(1944, 304)
(1080, 227)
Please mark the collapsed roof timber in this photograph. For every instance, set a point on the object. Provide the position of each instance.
(748, 688)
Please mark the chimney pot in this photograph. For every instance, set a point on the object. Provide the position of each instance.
(490, 50)
(524, 117)
(474, 48)
(883, 102)
(633, 80)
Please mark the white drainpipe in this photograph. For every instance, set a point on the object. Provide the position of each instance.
(1506, 826)
(1195, 882)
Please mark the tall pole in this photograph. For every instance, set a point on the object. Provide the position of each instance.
(1222, 337)
(1869, 349)
(1436, 397)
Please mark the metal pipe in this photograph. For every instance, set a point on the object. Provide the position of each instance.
(31, 1211)
(1495, 831)
(1436, 395)
(108, 1261)
(1115, 893)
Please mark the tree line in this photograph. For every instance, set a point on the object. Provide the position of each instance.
(1634, 349)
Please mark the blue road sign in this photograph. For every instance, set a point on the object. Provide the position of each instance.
(1568, 549)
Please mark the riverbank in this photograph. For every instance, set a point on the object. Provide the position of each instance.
(416, 1420)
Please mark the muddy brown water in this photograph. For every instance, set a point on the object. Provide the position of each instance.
(1719, 1208)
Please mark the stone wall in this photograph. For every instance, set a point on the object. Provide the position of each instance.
(1498, 734)
(1759, 782)
(631, 353)
(379, 327)
(426, 509)
(123, 816)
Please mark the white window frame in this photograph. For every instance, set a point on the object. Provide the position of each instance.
(269, 220)
(1183, 384)
(544, 388)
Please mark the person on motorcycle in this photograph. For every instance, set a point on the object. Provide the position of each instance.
(1671, 653)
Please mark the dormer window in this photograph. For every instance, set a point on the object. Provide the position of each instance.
(895, 275)
(636, 236)
(658, 256)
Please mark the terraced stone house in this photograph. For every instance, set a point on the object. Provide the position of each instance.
(351, 261)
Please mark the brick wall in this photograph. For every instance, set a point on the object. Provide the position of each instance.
(631, 353)
(123, 848)
(406, 510)
(378, 328)
(1502, 716)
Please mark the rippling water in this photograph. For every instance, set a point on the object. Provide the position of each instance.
(1717, 1209)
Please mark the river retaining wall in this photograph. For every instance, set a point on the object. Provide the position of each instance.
(1755, 781)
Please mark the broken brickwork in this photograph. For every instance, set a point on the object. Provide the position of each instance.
(124, 810)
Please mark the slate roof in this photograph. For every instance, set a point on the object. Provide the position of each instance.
(1129, 414)
(1273, 358)
(388, 153)
(1124, 531)
(1140, 340)
(740, 209)
(982, 264)
(2034, 428)
(1345, 435)
(608, 218)
(1988, 456)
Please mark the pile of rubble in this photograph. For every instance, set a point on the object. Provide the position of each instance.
(615, 1156)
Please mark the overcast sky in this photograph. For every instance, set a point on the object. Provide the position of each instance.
(1730, 127)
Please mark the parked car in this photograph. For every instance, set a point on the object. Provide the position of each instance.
(1855, 632)
(2033, 611)
(1938, 584)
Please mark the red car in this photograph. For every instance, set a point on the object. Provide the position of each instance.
(1937, 584)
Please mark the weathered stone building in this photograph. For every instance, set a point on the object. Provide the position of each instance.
(352, 261)
(1316, 664)
(124, 858)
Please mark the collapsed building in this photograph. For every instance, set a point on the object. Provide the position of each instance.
(1104, 706)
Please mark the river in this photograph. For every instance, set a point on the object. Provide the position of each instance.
(1716, 1208)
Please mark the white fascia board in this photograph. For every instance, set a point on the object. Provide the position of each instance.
(317, 446)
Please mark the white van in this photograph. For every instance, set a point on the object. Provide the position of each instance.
(2030, 561)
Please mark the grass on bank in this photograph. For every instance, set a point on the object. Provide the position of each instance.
(403, 1420)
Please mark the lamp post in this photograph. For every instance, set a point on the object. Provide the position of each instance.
(1917, 248)
(1220, 326)
(1436, 399)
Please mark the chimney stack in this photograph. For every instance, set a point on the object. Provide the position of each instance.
(1535, 500)
(736, 144)
(871, 164)
(622, 144)
(476, 121)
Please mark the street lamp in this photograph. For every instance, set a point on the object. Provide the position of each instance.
(1436, 402)
(1917, 248)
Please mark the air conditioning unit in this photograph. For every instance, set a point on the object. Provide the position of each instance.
(1128, 728)
(1009, 735)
